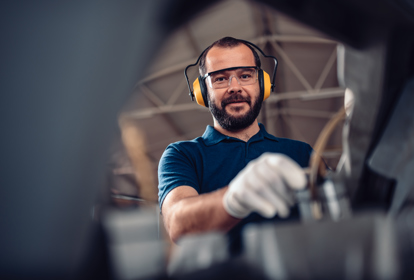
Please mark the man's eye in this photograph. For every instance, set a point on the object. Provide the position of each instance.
(220, 79)
(245, 76)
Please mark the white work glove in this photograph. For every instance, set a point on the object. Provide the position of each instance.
(264, 186)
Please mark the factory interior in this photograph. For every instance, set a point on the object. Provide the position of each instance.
(93, 92)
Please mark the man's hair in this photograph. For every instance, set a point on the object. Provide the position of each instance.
(226, 42)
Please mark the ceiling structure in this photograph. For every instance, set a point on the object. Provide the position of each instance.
(306, 95)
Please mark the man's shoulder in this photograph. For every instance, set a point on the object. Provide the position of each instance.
(297, 150)
(283, 141)
(288, 141)
(186, 143)
(185, 146)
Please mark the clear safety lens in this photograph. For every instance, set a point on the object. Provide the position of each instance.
(223, 78)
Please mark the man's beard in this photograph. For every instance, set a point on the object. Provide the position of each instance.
(232, 123)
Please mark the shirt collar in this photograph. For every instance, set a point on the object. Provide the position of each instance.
(212, 136)
(265, 134)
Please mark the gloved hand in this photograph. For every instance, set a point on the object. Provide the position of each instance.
(264, 186)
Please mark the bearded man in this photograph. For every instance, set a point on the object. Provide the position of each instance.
(236, 172)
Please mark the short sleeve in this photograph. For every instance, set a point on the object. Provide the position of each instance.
(176, 168)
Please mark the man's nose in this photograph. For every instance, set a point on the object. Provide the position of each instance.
(234, 84)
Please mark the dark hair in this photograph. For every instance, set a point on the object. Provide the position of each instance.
(226, 42)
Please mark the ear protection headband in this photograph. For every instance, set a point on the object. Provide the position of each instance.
(199, 91)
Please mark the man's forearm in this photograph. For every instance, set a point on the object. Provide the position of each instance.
(199, 213)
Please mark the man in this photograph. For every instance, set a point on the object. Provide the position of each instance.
(227, 178)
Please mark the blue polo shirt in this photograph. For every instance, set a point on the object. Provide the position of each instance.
(211, 161)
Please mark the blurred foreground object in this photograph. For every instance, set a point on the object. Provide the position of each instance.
(136, 252)
(66, 69)
(394, 155)
(361, 248)
(197, 252)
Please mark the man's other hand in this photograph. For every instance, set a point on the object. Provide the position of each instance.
(264, 186)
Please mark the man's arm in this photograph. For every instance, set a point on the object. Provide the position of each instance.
(185, 211)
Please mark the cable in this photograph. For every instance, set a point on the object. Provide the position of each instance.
(316, 165)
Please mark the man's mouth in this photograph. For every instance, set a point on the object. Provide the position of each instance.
(237, 100)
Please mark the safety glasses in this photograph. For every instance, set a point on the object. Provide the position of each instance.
(246, 75)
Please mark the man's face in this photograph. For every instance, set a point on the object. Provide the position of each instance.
(235, 107)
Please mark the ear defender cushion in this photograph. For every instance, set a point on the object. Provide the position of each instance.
(200, 91)
(265, 84)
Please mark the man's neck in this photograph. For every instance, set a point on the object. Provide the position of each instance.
(243, 134)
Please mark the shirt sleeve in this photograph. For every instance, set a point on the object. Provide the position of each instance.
(176, 168)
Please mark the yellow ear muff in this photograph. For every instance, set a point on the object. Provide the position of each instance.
(267, 85)
(197, 93)
(200, 91)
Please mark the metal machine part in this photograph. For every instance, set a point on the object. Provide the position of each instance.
(393, 157)
(332, 203)
(197, 252)
(135, 250)
(364, 247)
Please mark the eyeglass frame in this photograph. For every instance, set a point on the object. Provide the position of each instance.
(229, 69)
